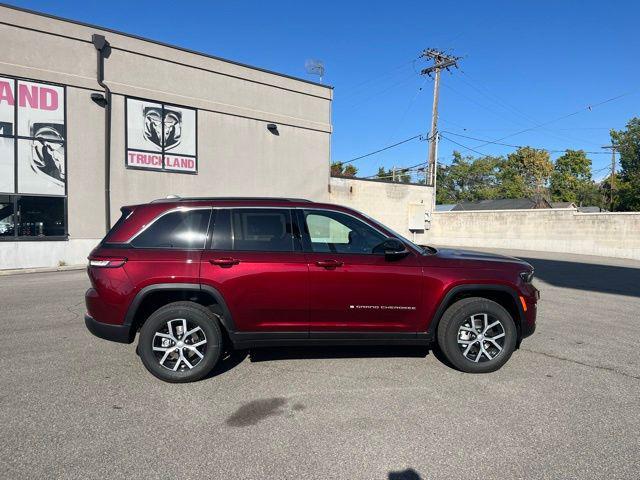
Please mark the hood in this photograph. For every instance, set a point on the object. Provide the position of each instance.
(457, 257)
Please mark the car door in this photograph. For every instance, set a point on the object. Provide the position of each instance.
(352, 289)
(256, 263)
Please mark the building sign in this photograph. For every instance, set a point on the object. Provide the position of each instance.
(32, 137)
(161, 136)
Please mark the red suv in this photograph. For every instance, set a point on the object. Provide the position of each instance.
(197, 275)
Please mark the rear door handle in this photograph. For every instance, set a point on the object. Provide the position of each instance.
(329, 264)
(224, 262)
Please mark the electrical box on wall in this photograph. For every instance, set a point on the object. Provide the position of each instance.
(417, 212)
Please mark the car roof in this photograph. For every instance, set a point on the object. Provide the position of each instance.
(177, 202)
(177, 199)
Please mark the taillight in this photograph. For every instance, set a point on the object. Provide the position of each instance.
(107, 262)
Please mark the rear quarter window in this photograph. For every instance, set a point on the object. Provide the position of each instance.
(126, 213)
(182, 229)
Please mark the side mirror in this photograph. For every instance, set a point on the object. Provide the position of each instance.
(392, 248)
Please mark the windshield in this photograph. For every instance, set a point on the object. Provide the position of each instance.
(422, 250)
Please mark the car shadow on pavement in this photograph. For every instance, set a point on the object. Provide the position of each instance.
(231, 359)
(588, 276)
(228, 360)
(265, 354)
(408, 474)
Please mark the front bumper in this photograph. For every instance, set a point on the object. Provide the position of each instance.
(528, 329)
(115, 333)
(528, 325)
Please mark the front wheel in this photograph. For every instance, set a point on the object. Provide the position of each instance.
(477, 335)
(180, 342)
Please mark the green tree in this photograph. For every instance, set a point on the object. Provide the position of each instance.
(350, 171)
(445, 190)
(340, 170)
(627, 190)
(468, 179)
(525, 174)
(571, 180)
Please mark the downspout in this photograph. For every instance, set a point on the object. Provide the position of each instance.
(104, 49)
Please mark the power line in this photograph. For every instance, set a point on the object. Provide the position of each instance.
(399, 171)
(512, 109)
(373, 96)
(608, 167)
(483, 155)
(377, 77)
(398, 124)
(488, 94)
(519, 146)
(455, 124)
(588, 107)
(382, 149)
(482, 106)
(508, 108)
(459, 125)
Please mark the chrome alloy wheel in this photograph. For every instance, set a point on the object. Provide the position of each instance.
(179, 345)
(481, 337)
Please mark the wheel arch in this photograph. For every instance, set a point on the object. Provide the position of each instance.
(154, 296)
(503, 295)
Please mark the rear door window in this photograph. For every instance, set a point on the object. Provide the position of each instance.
(262, 229)
(254, 229)
(182, 229)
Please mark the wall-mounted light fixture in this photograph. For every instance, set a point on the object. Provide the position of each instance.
(273, 128)
(99, 99)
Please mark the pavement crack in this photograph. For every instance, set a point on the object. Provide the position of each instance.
(578, 362)
(72, 309)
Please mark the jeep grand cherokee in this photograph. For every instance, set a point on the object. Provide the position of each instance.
(198, 275)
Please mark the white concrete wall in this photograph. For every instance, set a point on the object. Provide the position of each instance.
(550, 230)
(392, 204)
(39, 254)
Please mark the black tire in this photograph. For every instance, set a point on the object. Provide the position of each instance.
(458, 315)
(195, 315)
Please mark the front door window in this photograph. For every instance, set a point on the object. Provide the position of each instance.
(335, 232)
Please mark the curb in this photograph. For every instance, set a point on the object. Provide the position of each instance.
(20, 271)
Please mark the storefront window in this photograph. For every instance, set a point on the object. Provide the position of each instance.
(30, 217)
(40, 217)
(32, 160)
(7, 222)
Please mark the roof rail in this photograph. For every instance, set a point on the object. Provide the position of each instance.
(175, 198)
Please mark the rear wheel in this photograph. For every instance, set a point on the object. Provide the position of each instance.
(180, 342)
(477, 335)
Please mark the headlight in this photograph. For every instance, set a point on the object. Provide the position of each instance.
(527, 276)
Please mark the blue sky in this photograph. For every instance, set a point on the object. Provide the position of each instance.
(524, 63)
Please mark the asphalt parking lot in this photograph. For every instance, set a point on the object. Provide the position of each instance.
(567, 405)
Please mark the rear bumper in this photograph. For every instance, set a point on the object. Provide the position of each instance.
(115, 333)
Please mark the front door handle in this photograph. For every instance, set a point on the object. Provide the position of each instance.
(224, 262)
(329, 264)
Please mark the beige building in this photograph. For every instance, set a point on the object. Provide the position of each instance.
(163, 120)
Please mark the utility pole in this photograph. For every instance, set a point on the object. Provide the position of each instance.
(612, 178)
(440, 61)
